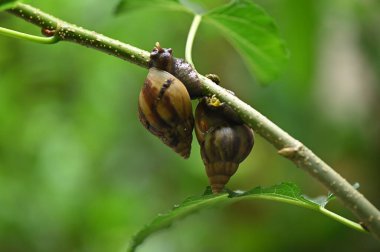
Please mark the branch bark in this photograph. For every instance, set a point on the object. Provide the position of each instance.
(288, 146)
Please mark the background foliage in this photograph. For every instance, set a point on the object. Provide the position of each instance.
(79, 173)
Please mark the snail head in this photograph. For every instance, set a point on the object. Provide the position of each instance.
(162, 58)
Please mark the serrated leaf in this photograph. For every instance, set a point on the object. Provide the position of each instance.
(190, 205)
(131, 5)
(285, 192)
(7, 4)
(254, 35)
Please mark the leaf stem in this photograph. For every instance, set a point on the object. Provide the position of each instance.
(341, 219)
(190, 38)
(29, 37)
(288, 146)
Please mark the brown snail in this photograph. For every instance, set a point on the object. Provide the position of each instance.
(162, 58)
(165, 106)
(224, 139)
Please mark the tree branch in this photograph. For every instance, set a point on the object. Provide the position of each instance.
(70, 32)
(288, 146)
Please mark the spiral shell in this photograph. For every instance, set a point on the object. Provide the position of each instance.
(165, 110)
(225, 141)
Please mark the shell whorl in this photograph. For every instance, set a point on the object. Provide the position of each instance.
(219, 173)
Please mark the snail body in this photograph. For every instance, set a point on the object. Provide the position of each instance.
(224, 139)
(165, 110)
(162, 58)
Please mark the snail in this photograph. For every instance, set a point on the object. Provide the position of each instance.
(165, 110)
(164, 104)
(162, 58)
(224, 139)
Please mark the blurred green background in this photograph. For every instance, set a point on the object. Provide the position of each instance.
(79, 173)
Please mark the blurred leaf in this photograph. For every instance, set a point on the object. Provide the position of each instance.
(7, 4)
(285, 192)
(247, 26)
(131, 5)
(254, 34)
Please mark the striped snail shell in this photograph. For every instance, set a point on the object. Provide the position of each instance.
(165, 110)
(224, 139)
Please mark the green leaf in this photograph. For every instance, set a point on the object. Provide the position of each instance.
(131, 5)
(7, 4)
(254, 35)
(162, 221)
(285, 192)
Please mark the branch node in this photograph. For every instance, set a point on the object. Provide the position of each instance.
(291, 151)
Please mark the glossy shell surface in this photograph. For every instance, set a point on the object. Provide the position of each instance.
(165, 110)
(225, 142)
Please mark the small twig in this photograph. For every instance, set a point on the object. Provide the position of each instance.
(29, 37)
(288, 146)
(190, 38)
